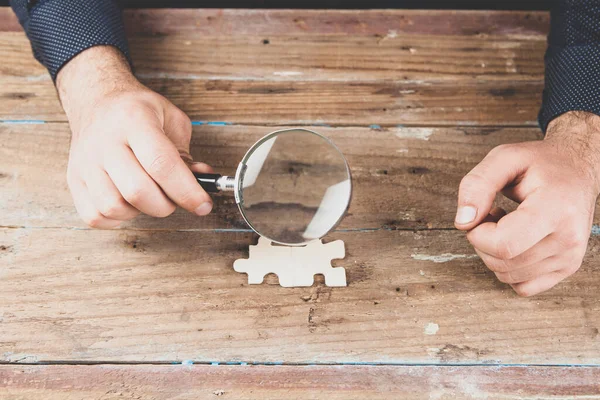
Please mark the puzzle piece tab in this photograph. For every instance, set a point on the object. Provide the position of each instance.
(294, 266)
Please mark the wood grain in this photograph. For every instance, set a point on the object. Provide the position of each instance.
(331, 22)
(413, 98)
(311, 57)
(147, 296)
(401, 180)
(401, 67)
(66, 382)
(300, 103)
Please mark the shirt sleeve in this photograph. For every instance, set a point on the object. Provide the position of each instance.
(60, 29)
(572, 61)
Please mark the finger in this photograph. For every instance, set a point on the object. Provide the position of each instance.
(534, 271)
(178, 128)
(519, 230)
(106, 197)
(479, 187)
(542, 283)
(162, 161)
(85, 207)
(200, 167)
(547, 247)
(134, 184)
(495, 215)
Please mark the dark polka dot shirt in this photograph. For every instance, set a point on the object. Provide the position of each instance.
(572, 60)
(60, 29)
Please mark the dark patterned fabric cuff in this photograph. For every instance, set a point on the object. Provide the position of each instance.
(572, 82)
(61, 29)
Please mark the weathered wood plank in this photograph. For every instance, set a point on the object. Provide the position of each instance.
(166, 296)
(336, 103)
(424, 74)
(404, 178)
(318, 22)
(66, 382)
(347, 58)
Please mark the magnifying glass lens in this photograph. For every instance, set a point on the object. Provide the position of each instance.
(295, 186)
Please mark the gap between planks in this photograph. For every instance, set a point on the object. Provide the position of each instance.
(315, 125)
(594, 232)
(296, 364)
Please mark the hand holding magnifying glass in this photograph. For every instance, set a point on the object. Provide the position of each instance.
(293, 186)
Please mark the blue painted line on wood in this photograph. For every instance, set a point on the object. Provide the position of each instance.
(212, 123)
(23, 121)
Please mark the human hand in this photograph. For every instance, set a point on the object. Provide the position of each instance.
(557, 182)
(129, 146)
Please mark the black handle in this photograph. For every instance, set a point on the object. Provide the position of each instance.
(208, 181)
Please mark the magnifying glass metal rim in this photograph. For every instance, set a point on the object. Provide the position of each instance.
(238, 185)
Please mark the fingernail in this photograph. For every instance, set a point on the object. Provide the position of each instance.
(465, 214)
(204, 208)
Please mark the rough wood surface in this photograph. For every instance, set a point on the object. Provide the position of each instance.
(367, 67)
(335, 22)
(404, 178)
(317, 57)
(69, 382)
(301, 103)
(413, 98)
(419, 297)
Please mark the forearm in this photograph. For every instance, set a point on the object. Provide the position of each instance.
(578, 133)
(91, 75)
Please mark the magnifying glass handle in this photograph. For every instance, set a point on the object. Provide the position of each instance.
(214, 183)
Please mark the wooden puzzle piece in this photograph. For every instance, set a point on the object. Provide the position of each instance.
(295, 266)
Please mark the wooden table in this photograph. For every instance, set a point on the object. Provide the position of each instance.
(154, 310)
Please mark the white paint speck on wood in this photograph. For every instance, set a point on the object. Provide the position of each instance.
(431, 328)
(414, 133)
(442, 258)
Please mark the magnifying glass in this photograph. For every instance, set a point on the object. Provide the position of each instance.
(293, 186)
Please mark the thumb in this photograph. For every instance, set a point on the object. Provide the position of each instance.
(479, 187)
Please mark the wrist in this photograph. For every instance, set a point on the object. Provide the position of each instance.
(578, 133)
(89, 77)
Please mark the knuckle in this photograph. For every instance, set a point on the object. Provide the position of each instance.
(129, 105)
(93, 220)
(183, 118)
(523, 291)
(575, 239)
(501, 149)
(570, 211)
(471, 181)
(113, 208)
(570, 241)
(505, 277)
(571, 269)
(504, 250)
(189, 199)
(163, 212)
(135, 195)
(499, 266)
(162, 165)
